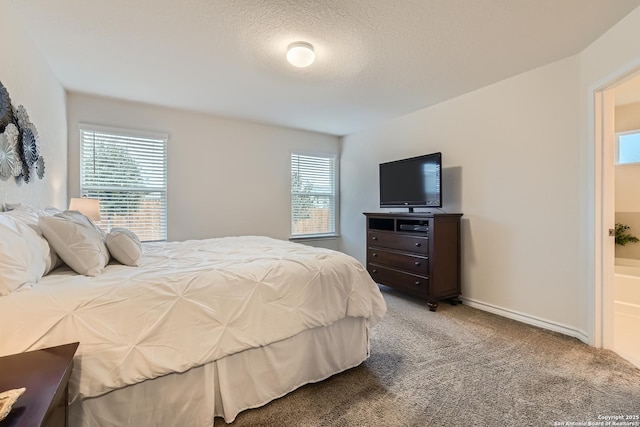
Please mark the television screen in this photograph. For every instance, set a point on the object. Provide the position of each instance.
(413, 182)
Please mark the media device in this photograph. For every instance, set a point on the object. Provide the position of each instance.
(414, 227)
(415, 182)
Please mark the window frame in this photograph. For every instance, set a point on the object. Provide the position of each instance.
(129, 133)
(330, 235)
(617, 153)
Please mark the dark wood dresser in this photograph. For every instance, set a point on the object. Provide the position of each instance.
(45, 375)
(418, 253)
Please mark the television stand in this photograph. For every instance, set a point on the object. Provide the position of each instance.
(418, 253)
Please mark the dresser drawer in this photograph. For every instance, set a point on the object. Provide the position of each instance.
(402, 242)
(387, 276)
(402, 261)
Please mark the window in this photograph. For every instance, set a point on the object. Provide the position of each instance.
(313, 195)
(127, 171)
(628, 147)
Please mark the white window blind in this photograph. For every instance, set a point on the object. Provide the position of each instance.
(127, 171)
(313, 195)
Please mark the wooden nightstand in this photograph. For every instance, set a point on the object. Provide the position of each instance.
(45, 374)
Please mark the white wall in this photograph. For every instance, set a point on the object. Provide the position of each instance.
(225, 176)
(510, 166)
(31, 83)
(519, 159)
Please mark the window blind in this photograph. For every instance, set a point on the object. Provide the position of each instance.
(127, 171)
(313, 195)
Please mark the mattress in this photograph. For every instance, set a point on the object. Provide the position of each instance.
(188, 304)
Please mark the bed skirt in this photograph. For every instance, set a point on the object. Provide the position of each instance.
(226, 387)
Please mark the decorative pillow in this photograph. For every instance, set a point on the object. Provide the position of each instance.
(124, 246)
(29, 216)
(22, 255)
(77, 241)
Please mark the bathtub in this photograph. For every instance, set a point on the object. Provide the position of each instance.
(627, 309)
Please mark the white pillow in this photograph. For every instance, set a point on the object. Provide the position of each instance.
(124, 246)
(77, 241)
(29, 216)
(22, 255)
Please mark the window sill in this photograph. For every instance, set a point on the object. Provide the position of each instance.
(309, 237)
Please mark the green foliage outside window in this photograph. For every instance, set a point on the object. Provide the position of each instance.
(303, 203)
(115, 167)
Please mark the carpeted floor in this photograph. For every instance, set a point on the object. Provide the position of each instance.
(462, 367)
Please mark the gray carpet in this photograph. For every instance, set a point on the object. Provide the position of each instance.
(461, 367)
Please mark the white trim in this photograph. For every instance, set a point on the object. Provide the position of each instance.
(593, 225)
(608, 215)
(129, 132)
(601, 300)
(528, 319)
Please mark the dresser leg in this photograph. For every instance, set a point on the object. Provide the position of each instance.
(66, 405)
(432, 305)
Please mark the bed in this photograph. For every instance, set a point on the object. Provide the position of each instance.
(200, 329)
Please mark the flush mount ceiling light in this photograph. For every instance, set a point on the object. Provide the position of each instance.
(300, 54)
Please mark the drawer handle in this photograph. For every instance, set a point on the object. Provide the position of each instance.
(374, 255)
(374, 238)
(417, 263)
(417, 283)
(418, 244)
(374, 271)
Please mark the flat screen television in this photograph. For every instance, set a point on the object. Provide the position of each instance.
(415, 182)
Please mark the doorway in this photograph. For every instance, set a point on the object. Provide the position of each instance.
(617, 297)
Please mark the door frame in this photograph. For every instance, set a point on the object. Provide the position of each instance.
(601, 136)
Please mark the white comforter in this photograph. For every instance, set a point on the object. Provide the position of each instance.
(188, 304)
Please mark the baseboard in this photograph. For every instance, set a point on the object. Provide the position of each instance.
(528, 319)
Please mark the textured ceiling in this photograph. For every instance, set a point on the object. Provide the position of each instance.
(376, 59)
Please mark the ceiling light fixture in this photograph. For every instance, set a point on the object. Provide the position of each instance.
(300, 54)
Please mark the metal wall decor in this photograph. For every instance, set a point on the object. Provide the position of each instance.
(10, 163)
(6, 111)
(20, 156)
